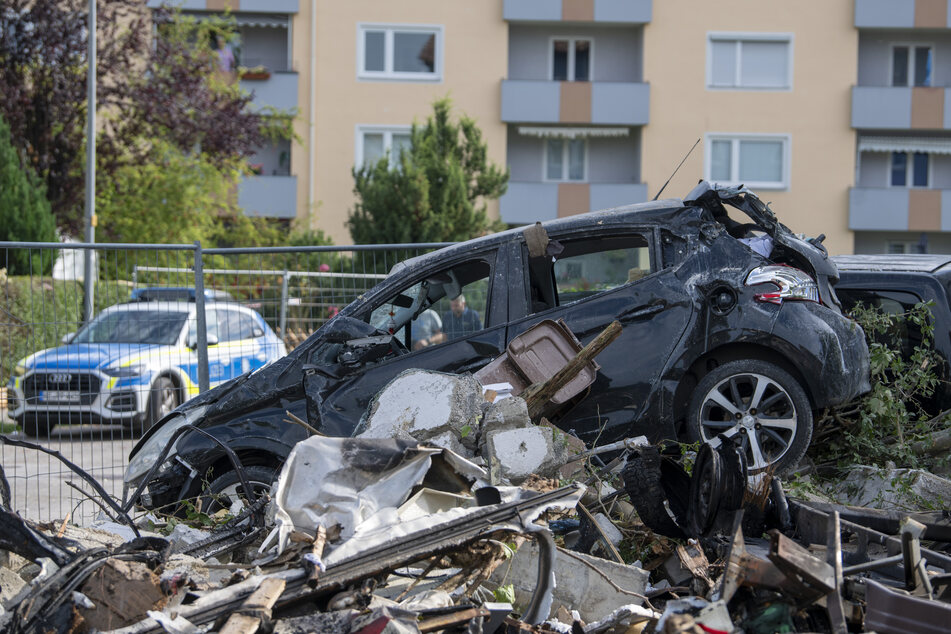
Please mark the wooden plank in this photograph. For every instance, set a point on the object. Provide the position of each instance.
(537, 396)
(262, 599)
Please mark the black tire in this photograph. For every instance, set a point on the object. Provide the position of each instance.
(659, 490)
(163, 398)
(761, 406)
(221, 492)
(36, 426)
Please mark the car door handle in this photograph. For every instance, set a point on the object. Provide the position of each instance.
(641, 312)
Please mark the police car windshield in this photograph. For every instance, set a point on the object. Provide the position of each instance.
(133, 326)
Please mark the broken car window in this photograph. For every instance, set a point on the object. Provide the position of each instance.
(591, 266)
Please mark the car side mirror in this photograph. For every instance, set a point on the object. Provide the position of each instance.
(211, 340)
(257, 332)
(68, 337)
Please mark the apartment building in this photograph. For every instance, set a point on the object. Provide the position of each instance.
(835, 112)
(901, 111)
(266, 43)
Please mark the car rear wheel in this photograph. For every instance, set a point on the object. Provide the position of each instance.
(758, 405)
(163, 398)
(36, 426)
(226, 489)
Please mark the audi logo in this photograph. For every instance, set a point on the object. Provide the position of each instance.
(61, 378)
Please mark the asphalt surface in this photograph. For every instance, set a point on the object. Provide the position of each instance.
(38, 481)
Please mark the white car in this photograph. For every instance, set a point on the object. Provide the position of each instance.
(136, 362)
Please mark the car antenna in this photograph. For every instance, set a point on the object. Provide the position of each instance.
(675, 171)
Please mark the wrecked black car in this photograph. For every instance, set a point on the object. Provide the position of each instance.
(729, 327)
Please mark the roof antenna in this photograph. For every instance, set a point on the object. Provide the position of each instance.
(675, 171)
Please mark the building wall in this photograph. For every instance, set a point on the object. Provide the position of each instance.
(617, 51)
(475, 61)
(815, 113)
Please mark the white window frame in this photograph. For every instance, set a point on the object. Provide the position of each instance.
(738, 38)
(386, 130)
(911, 62)
(565, 155)
(910, 171)
(735, 138)
(388, 73)
(571, 56)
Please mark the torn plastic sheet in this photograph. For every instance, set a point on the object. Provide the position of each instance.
(358, 482)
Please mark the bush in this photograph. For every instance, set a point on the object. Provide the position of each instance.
(25, 214)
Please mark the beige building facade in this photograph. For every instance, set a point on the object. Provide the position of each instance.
(838, 113)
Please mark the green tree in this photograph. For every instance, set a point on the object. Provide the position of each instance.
(24, 211)
(435, 192)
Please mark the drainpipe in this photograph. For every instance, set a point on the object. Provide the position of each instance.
(312, 176)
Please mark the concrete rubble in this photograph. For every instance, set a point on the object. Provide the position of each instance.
(454, 510)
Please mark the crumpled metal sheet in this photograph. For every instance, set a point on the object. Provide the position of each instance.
(353, 482)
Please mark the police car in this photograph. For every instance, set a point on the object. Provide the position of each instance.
(137, 361)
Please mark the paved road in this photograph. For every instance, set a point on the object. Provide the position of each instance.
(38, 480)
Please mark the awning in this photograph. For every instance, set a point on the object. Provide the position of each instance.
(904, 144)
(276, 21)
(248, 19)
(572, 133)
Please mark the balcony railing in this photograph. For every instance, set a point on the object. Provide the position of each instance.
(269, 196)
(901, 108)
(276, 89)
(607, 11)
(610, 103)
(899, 209)
(527, 202)
(902, 14)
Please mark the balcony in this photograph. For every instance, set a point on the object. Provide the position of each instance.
(901, 108)
(269, 196)
(609, 103)
(525, 202)
(279, 90)
(605, 11)
(235, 6)
(899, 209)
(901, 14)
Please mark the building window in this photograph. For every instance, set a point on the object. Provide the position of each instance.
(749, 61)
(752, 160)
(571, 59)
(566, 159)
(911, 65)
(373, 143)
(400, 52)
(910, 169)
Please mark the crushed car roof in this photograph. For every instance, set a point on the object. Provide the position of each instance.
(917, 263)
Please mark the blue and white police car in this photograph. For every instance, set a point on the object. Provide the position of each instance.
(136, 362)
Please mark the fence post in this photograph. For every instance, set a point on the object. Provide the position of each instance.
(283, 319)
(200, 325)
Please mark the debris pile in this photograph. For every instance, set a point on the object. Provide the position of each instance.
(456, 507)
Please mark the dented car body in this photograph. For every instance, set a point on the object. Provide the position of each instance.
(729, 328)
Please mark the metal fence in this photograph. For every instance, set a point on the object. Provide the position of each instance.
(167, 322)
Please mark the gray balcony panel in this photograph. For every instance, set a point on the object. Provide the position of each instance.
(278, 91)
(269, 196)
(530, 101)
(629, 11)
(255, 6)
(532, 10)
(946, 210)
(947, 107)
(894, 14)
(270, 6)
(608, 196)
(878, 209)
(882, 107)
(620, 102)
(525, 203)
